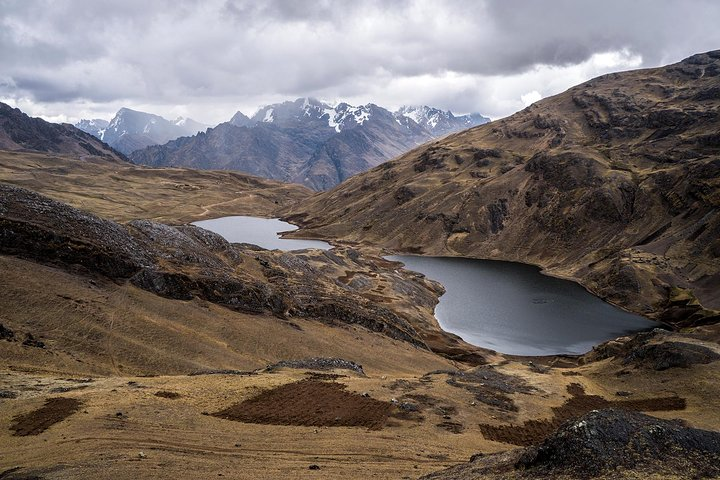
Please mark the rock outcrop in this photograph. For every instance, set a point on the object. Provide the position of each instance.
(604, 444)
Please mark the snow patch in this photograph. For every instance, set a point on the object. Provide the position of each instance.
(268, 116)
(332, 121)
(341, 114)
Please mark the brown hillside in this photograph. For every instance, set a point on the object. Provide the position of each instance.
(613, 183)
(125, 192)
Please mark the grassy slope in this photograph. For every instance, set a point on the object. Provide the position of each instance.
(125, 192)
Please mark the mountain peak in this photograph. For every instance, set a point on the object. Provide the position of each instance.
(241, 120)
(306, 140)
(439, 122)
(131, 129)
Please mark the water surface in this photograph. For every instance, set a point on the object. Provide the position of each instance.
(513, 308)
(263, 232)
(508, 307)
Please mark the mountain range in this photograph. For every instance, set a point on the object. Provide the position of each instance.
(130, 130)
(614, 183)
(307, 141)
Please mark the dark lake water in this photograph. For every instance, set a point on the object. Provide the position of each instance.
(508, 307)
(513, 308)
(262, 232)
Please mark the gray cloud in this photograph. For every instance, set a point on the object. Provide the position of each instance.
(209, 58)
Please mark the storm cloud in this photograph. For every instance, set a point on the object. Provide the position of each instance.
(207, 59)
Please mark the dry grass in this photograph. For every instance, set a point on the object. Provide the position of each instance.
(126, 192)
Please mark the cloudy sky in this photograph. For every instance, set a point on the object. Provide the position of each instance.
(71, 59)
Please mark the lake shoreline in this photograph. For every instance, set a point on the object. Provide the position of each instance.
(281, 234)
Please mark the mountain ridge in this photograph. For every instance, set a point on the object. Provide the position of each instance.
(19, 131)
(130, 130)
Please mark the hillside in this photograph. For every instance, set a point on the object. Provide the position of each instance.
(18, 131)
(613, 183)
(307, 141)
(124, 192)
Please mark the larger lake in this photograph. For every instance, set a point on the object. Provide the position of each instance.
(508, 307)
(513, 308)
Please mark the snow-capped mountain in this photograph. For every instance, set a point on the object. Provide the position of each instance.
(307, 141)
(93, 127)
(131, 130)
(343, 116)
(440, 122)
(306, 111)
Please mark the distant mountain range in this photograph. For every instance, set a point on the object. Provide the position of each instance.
(18, 131)
(307, 141)
(131, 130)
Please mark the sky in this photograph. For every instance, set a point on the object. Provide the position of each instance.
(206, 59)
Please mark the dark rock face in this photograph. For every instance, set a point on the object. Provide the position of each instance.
(606, 444)
(404, 194)
(19, 131)
(662, 356)
(31, 341)
(186, 262)
(605, 440)
(497, 212)
(566, 171)
(6, 333)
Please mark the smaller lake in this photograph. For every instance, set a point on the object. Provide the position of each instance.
(512, 308)
(262, 232)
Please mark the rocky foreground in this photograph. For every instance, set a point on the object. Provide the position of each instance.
(604, 444)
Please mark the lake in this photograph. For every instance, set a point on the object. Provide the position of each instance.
(508, 307)
(263, 232)
(514, 309)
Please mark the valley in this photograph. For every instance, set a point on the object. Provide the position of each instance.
(136, 344)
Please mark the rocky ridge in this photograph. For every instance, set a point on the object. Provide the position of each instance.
(19, 132)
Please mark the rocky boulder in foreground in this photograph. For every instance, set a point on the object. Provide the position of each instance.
(604, 444)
